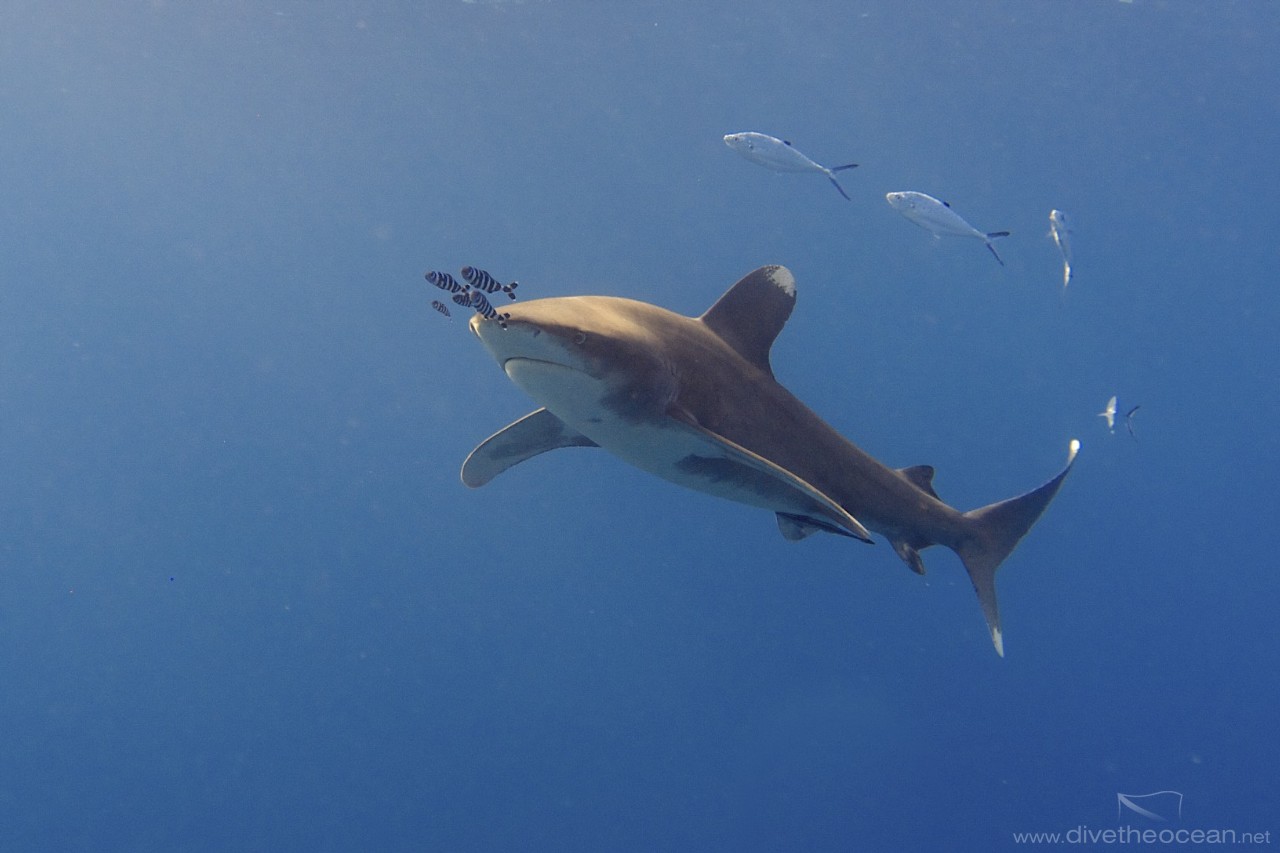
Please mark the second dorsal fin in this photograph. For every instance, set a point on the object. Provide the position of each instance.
(921, 476)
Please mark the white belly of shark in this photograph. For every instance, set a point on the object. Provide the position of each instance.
(581, 402)
(660, 446)
(684, 398)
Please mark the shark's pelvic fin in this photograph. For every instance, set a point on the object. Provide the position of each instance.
(537, 432)
(727, 461)
(751, 313)
(997, 530)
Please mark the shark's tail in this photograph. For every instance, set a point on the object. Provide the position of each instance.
(996, 531)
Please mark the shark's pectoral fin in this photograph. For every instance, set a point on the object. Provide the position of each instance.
(735, 469)
(796, 527)
(537, 432)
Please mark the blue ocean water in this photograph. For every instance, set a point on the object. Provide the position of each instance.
(247, 605)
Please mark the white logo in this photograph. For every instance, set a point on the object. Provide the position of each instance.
(1161, 805)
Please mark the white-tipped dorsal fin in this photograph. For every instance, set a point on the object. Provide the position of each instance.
(749, 316)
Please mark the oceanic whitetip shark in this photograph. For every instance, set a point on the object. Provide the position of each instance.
(694, 401)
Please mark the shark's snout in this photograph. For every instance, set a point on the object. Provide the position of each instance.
(508, 339)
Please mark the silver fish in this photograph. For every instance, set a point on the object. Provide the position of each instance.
(938, 218)
(780, 156)
(1061, 235)
(1109, 414)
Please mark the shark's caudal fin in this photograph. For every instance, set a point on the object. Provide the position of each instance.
(997, 529)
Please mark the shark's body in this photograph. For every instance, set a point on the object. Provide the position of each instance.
(694, 400)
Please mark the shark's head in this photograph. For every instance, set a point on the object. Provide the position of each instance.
(581, 355)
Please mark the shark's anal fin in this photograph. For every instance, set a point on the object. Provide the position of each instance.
(727, 461)
(910, 555)
(920, 476)
(537, 432)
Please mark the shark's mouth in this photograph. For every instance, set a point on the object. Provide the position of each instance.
(573, 395)
(523, 366)
(523, 360)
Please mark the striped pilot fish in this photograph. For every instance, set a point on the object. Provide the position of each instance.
(468, 296)
(444, 281)
(483, 307)
(481, 279)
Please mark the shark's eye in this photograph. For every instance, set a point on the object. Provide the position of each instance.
(580, 338)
